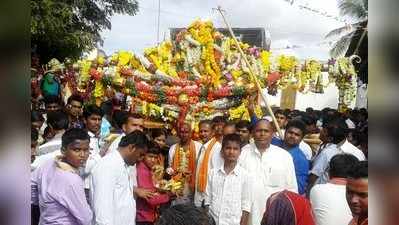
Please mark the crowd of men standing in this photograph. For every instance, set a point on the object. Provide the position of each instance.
(94, 165)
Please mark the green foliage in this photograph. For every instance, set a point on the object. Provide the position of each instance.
(67, 28)
(161, 95)
(203, 94)
(238, 91)
(357, 10)
(129, 84)
(107, 81)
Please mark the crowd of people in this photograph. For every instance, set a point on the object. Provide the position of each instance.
(95, 165)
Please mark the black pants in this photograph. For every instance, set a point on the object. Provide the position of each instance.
(144, 223)
(35, 214)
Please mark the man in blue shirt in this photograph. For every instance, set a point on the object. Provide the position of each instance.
(294, 133)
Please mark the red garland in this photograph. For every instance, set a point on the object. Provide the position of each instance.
(95, 74)
(182, 115)
(222, 92)
(70, 79)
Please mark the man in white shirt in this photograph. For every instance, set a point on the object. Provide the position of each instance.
(209, 155)
(306, 149)
(228, 194)
(131, 122)
(336, 131)
(92, 119)
(58, 122)
(111, 195)
(271, 168)
(328, 200)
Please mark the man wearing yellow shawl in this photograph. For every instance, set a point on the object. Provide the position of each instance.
(209, 157)
(182, 163)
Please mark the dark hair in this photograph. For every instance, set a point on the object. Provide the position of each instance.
(231, 137)
(34, 135)
(135, 115)
(282, 112)
(157, 132)
(92, 109)
(58, 120)
(309, 120)
(243, 124)
(74, 134)
(363, 112)
(136, 138)
(209, 122)
(153, 148)
(359, 170)
(106, 107)
(76, 98)
(36, 116)
(330, 116)
(119, 118)
(131, 115)
(337, 129)
(185, 214)
(51, 99)
(297, 124)
(341, 164)
(218, 119)
(309, 109)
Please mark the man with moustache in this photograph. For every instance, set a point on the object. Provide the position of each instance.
(272, 167)
(111, 193)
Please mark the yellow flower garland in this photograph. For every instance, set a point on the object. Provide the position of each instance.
(202, 32)
(265, 59)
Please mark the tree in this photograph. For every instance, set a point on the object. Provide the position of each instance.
(67, 28)
(358, 11)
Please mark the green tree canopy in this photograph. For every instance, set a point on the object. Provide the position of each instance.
(66, 28)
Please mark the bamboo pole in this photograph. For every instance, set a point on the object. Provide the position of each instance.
(252, 74)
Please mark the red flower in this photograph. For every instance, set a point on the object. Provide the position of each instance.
(95, 74)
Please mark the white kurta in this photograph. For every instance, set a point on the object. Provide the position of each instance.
(114, 145)
(271, 172)
(216, 161)
(132, 169)
(306, 149)
(93, 159)
(53, 145)
(40, 160)
(228, 195)
(329, 204)
(111, 193)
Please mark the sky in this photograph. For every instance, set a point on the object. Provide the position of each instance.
(287, 24)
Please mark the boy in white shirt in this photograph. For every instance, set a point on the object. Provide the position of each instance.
(227, 195)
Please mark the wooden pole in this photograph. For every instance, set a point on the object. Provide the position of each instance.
(252, 74)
